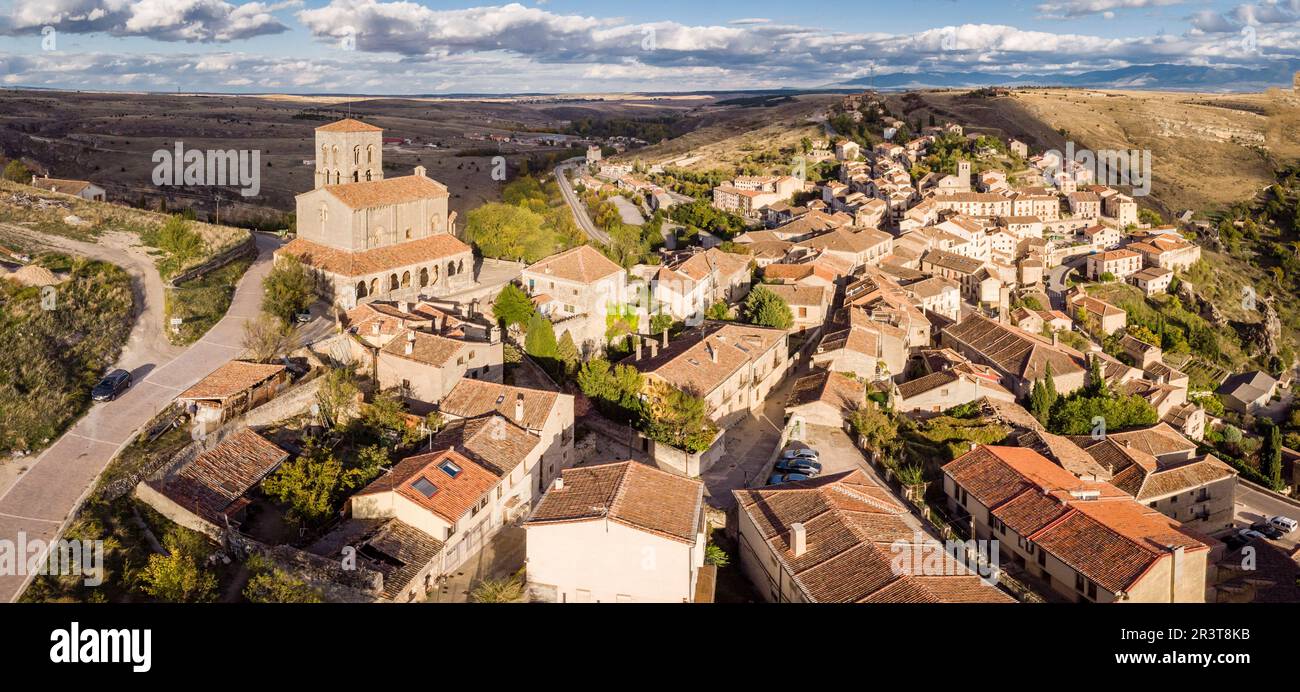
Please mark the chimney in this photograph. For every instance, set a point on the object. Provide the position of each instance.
(665, 338)
(437, 324)
(410, 343)
(638, 347)
(419, 170)
(404, 306)
(1056, 337)
(519, 408)
(713, 352)
(377, 324)
(654, 349)
(558, 484)
(798, 539)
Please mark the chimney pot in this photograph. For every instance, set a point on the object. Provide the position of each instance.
(798, 539)
(559, 483)
(665, 338)
(419, 170)
(638, 348)
(519, 408)
(654, 349)
(410, 348)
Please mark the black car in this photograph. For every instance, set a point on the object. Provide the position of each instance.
(804, 466)
(1268, 530)
(113, 384)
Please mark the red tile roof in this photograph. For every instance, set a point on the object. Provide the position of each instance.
(375, 260)
(454, 496)
(629, 493)
(233, 378)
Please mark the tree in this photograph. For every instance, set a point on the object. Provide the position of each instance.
(288, 289)
(767, 309)
(508, 590)
(680, 419)
(178, 576)
(567, 353)
(16, 172)
(267, 338)
(512, 306)
(310, 483)
(1076, 415)
(270, 584)
(504, 231)
(1042, 397)
(336, 398)
(716, 556)
(540, 341)
(179, 241)
(1271, 455)
(874, 427)
(660, 322)
(719, 311)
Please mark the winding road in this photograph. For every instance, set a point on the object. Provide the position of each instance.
(41, 501)
(579, 210)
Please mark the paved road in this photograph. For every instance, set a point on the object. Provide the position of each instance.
(628, 211)
(1254, 506)
(1056, 277)
(579, 210)
(41, 501)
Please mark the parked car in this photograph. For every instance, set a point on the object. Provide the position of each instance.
(1251, 534)
(1268, 530)
(113, 384)
(302, 317)
(807, 466)
(1284, 524)
(804, 453)
(779, 478)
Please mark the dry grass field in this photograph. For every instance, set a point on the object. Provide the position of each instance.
(1207, 149)
(110, 138)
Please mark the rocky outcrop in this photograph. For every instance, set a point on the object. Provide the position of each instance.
(1205, 308)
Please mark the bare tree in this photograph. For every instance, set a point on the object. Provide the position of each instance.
(267, 338)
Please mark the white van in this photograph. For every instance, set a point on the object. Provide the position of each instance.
(1286, 524)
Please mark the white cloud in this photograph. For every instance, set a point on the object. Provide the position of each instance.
(1079, 8)
(164, 20)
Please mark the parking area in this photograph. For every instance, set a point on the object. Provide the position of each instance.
(1254, 506)
(836, 451)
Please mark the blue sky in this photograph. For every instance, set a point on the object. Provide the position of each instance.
(403, 47)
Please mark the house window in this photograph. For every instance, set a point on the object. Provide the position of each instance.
(450, 468)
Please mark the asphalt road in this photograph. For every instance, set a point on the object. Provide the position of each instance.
(579, 210)
(1254, 506)
(1056, 280)
(41, 501)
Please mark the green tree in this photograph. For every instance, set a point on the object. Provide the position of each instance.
(681, 419)
(540, 340)
(1271, 455)
(512, 306)
(567, 353)
(874, 426)
(1043, 396)
(661, 322)
(270, 584)
(178, 576)
(178, 240)
(504, 231)
(767, 309)
(716, 556)
(508, 590)
(16, 172)
(288, 289)
(719, 311)
(310, 484)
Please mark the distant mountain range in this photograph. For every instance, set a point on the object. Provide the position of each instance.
(1155, 77)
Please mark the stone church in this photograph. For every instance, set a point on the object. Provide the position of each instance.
(368, 237)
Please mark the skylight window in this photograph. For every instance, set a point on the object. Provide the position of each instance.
(450, 468)
(425, 487)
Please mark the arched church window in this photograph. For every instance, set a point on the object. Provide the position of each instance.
(424, 277)
(392, 282)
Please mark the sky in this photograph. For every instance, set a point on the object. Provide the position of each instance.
(402, 47)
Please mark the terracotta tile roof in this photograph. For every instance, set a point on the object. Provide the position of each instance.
(349, 125)
(452, 496)
(389, 191)
(474, 398)
(1095, 305)
(61, 185)
(582, 264)
(853, 527)
(1012, 350)
(375, 260)
(627, 492)
(688, 362)
(1157, 441)
(491, 440)
(953, 261)
(795, 295)
(217, 478)
(836, 389)
(1145, 484)
(845, 240)
(1097, 529)
(1113, 255)
(426, 348)
(406, 551)
(235, 377)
